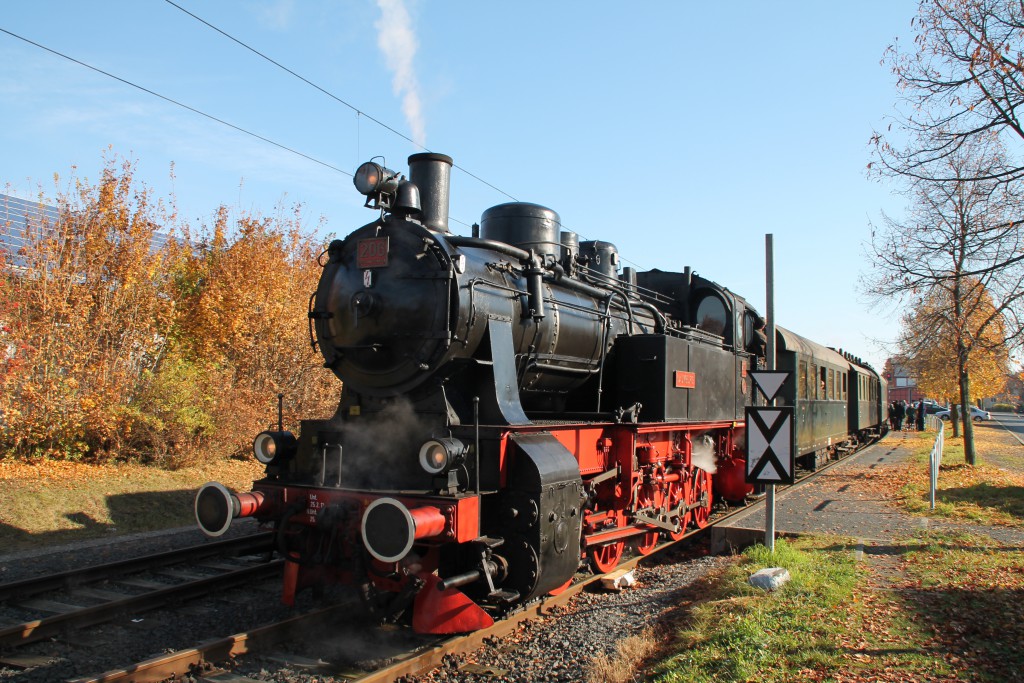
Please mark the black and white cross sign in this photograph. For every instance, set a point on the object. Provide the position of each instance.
(769, 445)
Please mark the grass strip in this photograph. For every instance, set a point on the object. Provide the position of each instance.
(991, 492)
(734, 632)
(936, 607)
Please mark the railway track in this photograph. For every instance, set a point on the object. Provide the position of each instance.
(420, 657)
(96, 594)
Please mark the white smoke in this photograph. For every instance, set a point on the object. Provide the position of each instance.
(703, 454)
(397, 41)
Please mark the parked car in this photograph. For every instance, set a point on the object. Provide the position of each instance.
(977, 414)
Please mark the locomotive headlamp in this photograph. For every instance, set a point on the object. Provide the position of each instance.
(372, 178)
(269, 445)
(437, 456)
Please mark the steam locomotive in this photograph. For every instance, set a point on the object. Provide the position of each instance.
(514, 406)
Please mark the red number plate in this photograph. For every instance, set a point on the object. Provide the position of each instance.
(685, 380)
(372, 252)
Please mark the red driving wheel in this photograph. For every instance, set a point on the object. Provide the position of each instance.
(605, 558)
(701, 489)
(647, 543)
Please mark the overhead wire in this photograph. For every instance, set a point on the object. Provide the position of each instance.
(176, 102)
(329, 94)
(359, 112)
(250, 133)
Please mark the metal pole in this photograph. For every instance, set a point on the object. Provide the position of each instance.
(769, 503)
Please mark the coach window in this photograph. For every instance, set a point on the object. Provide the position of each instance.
(802, 380)
(711, 315)
(831, 383)
(822, 374)
(845, 397)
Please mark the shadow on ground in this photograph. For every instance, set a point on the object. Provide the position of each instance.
(984, 628)
(1007, 499)
(128, 512)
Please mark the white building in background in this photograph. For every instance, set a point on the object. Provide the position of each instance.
(16, 215)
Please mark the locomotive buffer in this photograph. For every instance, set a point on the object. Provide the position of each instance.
(769, 433)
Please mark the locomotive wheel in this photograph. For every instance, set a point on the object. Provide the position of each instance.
(680, 493)
(647, 543)
(701, 487)
(560, 589)
(605, 558)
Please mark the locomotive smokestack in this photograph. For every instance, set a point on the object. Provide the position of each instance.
(431, 173)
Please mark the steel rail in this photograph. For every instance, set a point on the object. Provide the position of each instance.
(31, 631)
(76, 577)
(166, 666)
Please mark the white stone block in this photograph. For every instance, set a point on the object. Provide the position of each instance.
(769, 579)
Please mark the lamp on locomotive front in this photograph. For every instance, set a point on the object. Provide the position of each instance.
(269, 446)
(375, 182)
(441, 458)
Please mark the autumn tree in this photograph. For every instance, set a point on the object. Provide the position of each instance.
(962, 79)
(953, 260)
(124, 333)
(928, 340)
(84, 318)
(962, 82)
(242, 290)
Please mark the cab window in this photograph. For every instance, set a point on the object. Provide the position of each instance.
(711, 315)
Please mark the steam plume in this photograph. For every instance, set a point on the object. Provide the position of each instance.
(703, 454)
(396, 40)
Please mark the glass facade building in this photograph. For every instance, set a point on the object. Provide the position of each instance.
(19, 217)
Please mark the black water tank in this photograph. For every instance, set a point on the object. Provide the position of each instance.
(527, 226)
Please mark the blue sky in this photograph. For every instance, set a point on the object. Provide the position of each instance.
(683, 132)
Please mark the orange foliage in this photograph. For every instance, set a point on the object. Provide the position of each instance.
(113, 348)
(84, 319)
(242, 311)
